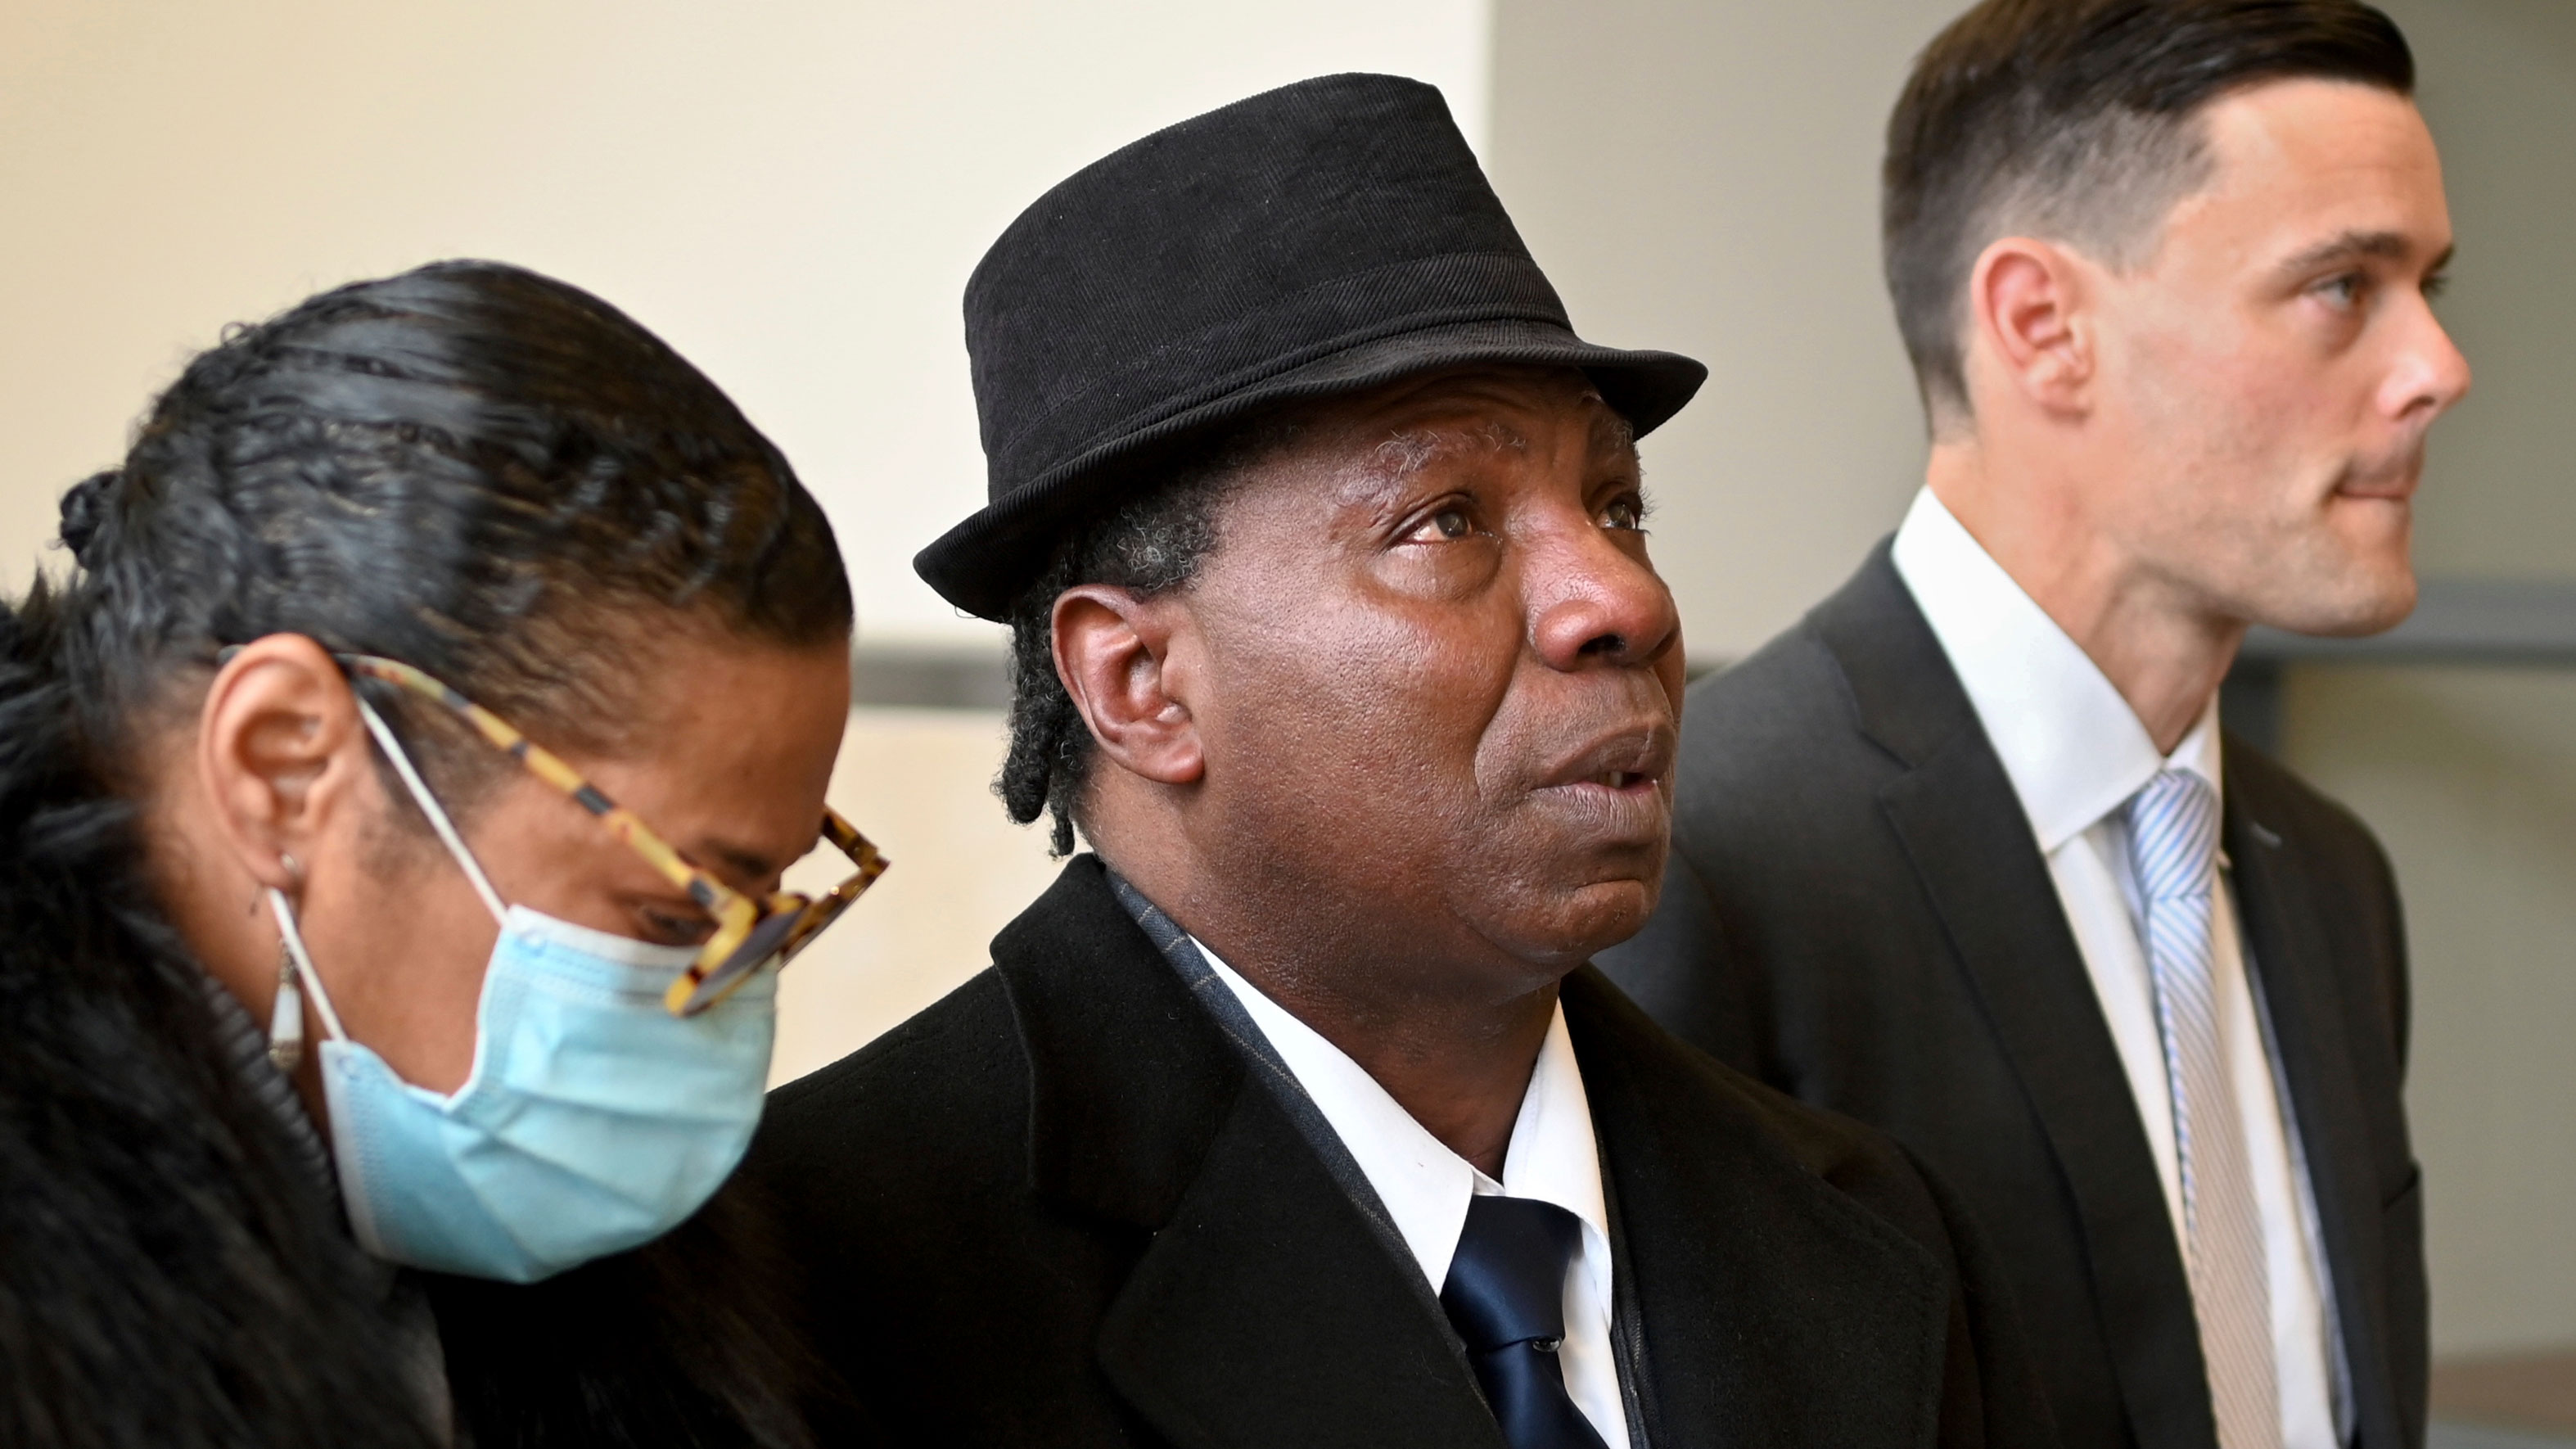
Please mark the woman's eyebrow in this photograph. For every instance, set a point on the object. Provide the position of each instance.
(741, 861)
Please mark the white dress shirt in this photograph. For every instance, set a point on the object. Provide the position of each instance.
(2076, 752)
(1426, 1187)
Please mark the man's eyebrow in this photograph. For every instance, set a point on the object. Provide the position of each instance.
(1612, 434)
(2355, 246)
(1403, 454)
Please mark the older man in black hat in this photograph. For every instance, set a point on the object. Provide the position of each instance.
(1294, 1116)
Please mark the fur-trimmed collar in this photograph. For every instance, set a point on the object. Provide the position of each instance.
(169, 1274)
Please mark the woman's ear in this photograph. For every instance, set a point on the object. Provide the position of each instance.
(1113, 649)
(280, 748)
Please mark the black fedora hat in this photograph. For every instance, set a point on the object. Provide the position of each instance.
(1324, 237)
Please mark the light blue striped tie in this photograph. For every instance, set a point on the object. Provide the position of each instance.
(2173, 848)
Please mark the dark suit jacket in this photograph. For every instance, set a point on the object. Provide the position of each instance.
(1055, 1209)
(1857, 912)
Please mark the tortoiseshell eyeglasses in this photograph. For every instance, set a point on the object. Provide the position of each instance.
(750, 933)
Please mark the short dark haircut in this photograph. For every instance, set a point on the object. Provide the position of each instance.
(2076, 120)
(482, 472)
(1152, 543)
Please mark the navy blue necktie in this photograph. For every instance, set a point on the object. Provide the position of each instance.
(1506, 1294)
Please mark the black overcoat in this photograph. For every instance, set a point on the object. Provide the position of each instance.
(1857, 912)
(1055, 1209)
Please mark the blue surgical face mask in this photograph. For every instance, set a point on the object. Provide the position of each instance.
(594, 1120)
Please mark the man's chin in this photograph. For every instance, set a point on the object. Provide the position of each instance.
(1579, 921)
(2358, 581)
(2362, 606)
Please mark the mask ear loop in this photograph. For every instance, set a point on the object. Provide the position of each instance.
(303, 959)
(430, 807)
(286, 1014)
(286, 1029)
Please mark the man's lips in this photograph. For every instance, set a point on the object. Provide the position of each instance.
(2393, 476)
(2394, 489)
(1638, 757)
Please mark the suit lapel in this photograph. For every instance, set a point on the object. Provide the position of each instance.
(1268, 1313)
(1263, 1310)
(1774, 1310)
(1971, 848)
(2281, 928)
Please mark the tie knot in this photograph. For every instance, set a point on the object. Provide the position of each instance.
(2173, 835)
(1507, 1279)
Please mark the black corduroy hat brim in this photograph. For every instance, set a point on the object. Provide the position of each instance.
(1324, 238)
(984, 563)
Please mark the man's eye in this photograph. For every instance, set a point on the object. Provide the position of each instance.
(1625, 513)
(2343, 291)
(1446, 525)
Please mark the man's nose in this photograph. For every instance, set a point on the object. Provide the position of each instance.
(2431, 375)
(1596, 603)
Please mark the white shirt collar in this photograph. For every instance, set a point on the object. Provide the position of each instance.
(1425, 1186)
(2073, 748)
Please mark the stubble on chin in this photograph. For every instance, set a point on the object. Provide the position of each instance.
(2351, 575)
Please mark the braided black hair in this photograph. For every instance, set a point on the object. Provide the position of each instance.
(487, 474)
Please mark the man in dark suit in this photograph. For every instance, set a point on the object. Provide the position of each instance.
(1293, 1116)
(1962, 854)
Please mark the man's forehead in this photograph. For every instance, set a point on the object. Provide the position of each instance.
(1480, 408)
(2309, 166)
(2318, 141)
(1364, 450)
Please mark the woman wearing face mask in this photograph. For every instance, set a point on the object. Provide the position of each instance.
(392, 810)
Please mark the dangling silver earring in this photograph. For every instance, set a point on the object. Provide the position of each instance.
(286, 1022)
(297, 982)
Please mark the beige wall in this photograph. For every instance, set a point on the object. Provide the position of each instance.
(915, 781)
(2499, 86)
(791, 191)
(1701, 175)
(2469, 775)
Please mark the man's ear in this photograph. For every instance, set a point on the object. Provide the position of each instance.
(2029, 309)
(280, 749)
(1113, 650)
